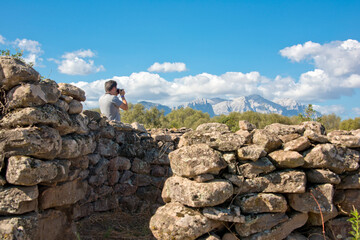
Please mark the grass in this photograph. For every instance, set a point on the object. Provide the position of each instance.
(115, 225)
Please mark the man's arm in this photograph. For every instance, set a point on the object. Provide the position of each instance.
(124, 105)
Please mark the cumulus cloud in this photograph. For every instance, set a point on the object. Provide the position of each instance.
(337, 109)
(356, 110)
(167, 67)
(2, 39)
(78, 63)
(32, 50)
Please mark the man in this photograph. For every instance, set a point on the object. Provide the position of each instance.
(110, 103)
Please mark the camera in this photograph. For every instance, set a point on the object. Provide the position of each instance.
(119, 90)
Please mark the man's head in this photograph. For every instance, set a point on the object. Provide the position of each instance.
(109, 85)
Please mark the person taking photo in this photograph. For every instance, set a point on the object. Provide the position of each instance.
(110, 102)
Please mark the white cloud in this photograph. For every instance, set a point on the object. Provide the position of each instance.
(337, 109)
(356, 111)
(2, 39)
(167, 67)
(76, 63)
(32, 50)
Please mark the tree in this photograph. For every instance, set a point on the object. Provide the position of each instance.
(310, 114)
(330, 121)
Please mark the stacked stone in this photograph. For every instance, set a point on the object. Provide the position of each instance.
(260, 183)
(42, 136)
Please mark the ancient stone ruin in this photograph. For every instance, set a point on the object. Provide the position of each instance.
(59, 164)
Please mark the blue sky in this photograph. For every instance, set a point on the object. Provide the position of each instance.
(305, 50)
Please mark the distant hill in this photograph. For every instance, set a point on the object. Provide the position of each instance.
(149, 105)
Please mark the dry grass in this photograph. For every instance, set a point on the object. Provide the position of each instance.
(115, 225)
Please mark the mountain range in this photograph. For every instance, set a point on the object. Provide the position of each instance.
(255, 103)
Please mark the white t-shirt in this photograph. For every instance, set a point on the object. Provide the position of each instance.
(109, 106)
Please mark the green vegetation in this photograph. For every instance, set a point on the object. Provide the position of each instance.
(190, 118)
(18, 55)
(355, 224)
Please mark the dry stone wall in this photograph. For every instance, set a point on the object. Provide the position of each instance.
(281, 182)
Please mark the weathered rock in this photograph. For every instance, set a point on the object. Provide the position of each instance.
(321, 176)
(107, 147)
(194, 160)
(261, 203)
(315, 137)
(40, 142)
(317, 219)
(158, 171)
(260, 222)
(339, 228)
(210, 236)
(316, 127)
(196, 194)
(80, 162)
(253, 169)
(140, 166)
(119, 163)
(63, 172)
(72, 91)
(344, 138)
(230, 214)
(305, 202)
(15, 71)
(64, 194)
(230, 159)
(18, 200)
(288, 181)
(64, 106)
(246, 126)
(74, 146)
(30, 95)
(138, 127)
(92, 115)
(246, 135)
(351, 181)
(24, 227)
(283, 129)
(67, 99)
(337, 159)
(266, 139)
(75, 107)
(213, 127)
(299, 144)
(2, 181)
(296, 236)
(175, 221)
(289, 137)
(28, 171)
(251, 152)
(107, 132)
(351, 199)
(54, 224)
(287, 159)
(229, 236)
(282, 230)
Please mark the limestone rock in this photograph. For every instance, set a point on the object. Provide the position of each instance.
(64, 106)
(230, 159)
(289, 137)
(260, 222)
(287, 159)
(28, 171)
(251, 152)
(314, 126)
(296, 236)
(210, 236)
(15, 71)
(261, 203)
(340, 228)
(62, 172)
(75, 107)
(351, 181)
(321, 176)
(351, 199)
(315, 137)
(64, 194)
(315, 219)
(74, 146)
(304, 202)
(140, 166)
(92, 115)
(253, 169)
(79, 124)
(18, 200)
(54, 225)
(175, 221)
(230, 214)
(2, 181)
(287, 181)
(40, 142)
(107, 147)
(196, 159)
(213, 127)
(30, 95)
(266, 139)
(72, 91)
(139, 127)
(282, 230)
(194, 194)
(24, 227)
(246, 126)
(337, 159)
(246, 135)
(283, 129)
(299, 144)
(119, 163)
(229, 236)
(203, 178)
(344, 138)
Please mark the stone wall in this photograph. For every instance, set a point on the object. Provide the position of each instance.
(59, 163)
(274, 183)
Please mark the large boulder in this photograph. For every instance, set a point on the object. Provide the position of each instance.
(30, 95)
(63, 194)
(175, 221)
(74, 146)
(261, 203)
(337, 159)
(27, 171)
(75, 107)
(299, 144)
(344, 138)
(270, 141)
(40, 142)
(18, 200)
(314, 126)
(287, 181)
(194, 194)
(14, 71)
(193, 160)
(72, 91)
(287, 159)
